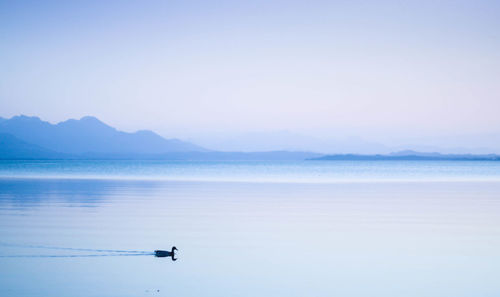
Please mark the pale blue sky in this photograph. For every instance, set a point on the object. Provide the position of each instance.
(379, 70)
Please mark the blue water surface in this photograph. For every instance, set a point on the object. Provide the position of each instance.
(258, 171)
(381, 229)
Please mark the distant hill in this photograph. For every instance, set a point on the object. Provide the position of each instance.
(89, 135)
(14, 148)
(23, 137)
(412, 155)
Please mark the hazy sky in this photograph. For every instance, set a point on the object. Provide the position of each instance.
(379, 70)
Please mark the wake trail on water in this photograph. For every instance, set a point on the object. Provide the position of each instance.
(74, 256)
(104, 252)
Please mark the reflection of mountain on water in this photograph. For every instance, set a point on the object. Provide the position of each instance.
(70, 192)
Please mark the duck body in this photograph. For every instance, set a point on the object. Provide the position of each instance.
(162, 253)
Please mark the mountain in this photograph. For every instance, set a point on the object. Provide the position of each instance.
(411, 155)
(14, 148)
(23, 137)
(90, 135)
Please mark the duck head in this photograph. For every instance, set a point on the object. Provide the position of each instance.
(173, 253)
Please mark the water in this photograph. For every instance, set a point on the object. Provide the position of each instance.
(380, 228)
(263, 171)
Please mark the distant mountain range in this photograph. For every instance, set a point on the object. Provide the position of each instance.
(411, 155)
(343, 142)
(23, 137)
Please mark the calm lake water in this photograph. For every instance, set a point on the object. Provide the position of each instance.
(310, 228)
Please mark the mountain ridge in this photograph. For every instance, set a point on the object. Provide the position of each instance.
(90, 135)
(25, 137)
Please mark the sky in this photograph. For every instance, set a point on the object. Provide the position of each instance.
(387, 72)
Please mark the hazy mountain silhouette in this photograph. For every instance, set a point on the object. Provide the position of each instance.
(23, 137)
(288, 141)
(89, 135)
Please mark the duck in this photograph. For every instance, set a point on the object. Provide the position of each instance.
(162, 253)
